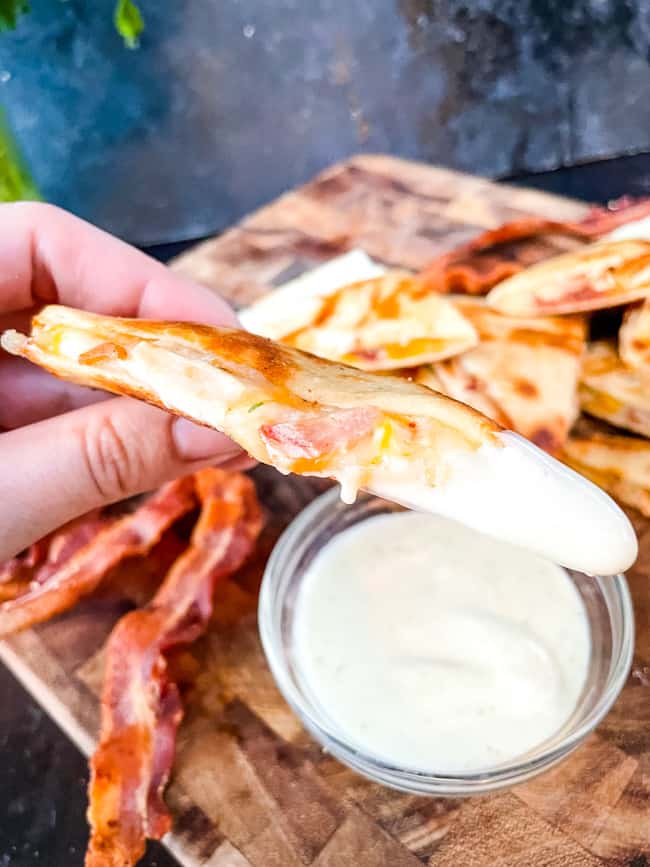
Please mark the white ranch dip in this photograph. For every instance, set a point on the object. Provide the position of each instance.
(436, 648)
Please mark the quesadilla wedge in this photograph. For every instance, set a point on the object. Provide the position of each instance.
(620, 465)
(634, 336)
(597, 276)
(307, 415)
(474, 267)
(523, 374)
(382, 323)
(455, 381)
(611, 391)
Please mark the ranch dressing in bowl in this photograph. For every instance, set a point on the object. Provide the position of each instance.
(433, 647)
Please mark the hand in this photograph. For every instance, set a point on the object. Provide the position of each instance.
(63, 449)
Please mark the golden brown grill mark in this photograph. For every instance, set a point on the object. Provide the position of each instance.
(257, 353)
(526, 388)
(572, 343)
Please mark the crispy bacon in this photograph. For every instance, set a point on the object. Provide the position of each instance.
(12, 589)
(133, 535)
(313, 438)
(21, 568)
(141, 709)
(475, 267)
(64, 543)
(478, 265)
(136, 579)
(47, 555)
(599, 221)
(103, 352)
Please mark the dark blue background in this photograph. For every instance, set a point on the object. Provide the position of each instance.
(227, 103)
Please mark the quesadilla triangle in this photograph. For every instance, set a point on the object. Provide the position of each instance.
(634, 336)
(592, 278)
(383, 323)
(611, 391)
(523, 374)
(306, 415)
(618, 464)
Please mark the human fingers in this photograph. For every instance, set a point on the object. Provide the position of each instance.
(48, 255)
(63, 467)
(29, 394)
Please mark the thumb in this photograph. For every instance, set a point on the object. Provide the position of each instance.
(61, 468)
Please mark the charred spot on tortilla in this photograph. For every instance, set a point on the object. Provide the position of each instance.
(526, 388)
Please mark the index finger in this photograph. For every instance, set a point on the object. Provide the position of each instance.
(48, 255)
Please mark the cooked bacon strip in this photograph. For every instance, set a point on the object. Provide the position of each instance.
(141, 708)
(136, 579)
(478, 265)
(600, 221)
(12, 589)
(65, 543)
(132, 535)
(21, 568)
(475, 267)
(47, 555)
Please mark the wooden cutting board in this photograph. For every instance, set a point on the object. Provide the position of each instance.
(250, 788)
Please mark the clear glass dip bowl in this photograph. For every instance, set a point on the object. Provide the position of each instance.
(609, 611)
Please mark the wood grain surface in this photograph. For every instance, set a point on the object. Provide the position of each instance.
(250, 788)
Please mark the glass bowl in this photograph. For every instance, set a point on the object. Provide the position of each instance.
(611, 621)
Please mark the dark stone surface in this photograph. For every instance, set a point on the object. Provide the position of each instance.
(43, 780)
(41, 786)
(229, 102)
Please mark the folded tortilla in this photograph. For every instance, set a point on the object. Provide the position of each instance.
(634, 336)
(523, 374)
(597, 276)
(383, 323)
(619, 464)
(300, 413)
(614, 392)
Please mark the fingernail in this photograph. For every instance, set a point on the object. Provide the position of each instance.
(195, 443)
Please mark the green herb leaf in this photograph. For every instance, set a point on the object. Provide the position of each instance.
(129, 22)
(10, 12)
(256, 405)
(16, 183)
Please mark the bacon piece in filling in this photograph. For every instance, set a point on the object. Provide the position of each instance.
(321, 435)
(141, 709)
